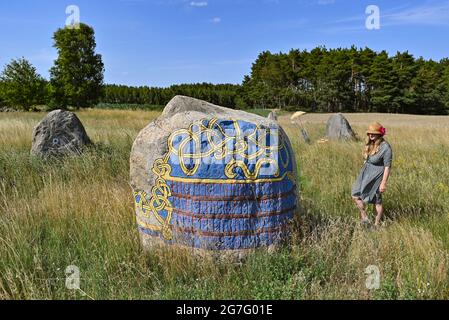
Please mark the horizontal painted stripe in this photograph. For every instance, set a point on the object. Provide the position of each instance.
(226, 242)
(230, 190)
(229, 233)
(228, 226)
(185, 213)
(234, 198)
(233, 207)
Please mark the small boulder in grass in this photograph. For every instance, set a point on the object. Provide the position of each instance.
(60, 133)
(338, 128)
(273, 116)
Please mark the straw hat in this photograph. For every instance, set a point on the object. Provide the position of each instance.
(376, 128)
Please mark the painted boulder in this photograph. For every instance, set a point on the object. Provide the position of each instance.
(213, 179)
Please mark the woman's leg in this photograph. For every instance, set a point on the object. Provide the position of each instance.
(361, 206)
(380, 214)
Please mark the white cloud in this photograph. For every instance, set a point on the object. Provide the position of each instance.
(430, 14)
(325, 2)
(216, 20)
(199, 4)
(420, 15)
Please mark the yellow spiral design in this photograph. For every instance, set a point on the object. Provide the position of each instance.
(151, 205)
(158, 201)
(222, 145)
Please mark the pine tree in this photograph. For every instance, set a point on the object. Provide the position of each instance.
(425, 91)
(404, 70)
(382, 85)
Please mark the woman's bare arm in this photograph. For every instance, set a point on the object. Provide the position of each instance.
(383, 184)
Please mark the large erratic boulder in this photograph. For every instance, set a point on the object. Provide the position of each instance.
(213, 179)
(60, 133)
(338, 127)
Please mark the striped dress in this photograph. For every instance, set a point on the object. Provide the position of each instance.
(368, 182)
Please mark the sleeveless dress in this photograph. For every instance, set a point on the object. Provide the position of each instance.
(368, 182)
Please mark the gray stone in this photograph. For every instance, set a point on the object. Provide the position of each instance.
(59, 133)
(338, 127)
(175, 206)
(6, 109)
(273, 116)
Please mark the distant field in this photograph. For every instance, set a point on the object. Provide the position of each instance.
(388, 120)
(80, 212)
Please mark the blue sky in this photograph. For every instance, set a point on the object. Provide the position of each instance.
(164, 42)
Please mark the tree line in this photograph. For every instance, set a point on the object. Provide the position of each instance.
(349, 80)
(221, 94)
(76, 81)
(320, 80)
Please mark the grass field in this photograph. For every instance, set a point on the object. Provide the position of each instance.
(80, 212)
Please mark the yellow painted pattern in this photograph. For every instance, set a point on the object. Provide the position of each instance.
(150, 217)
(158, 202)
(220, 142)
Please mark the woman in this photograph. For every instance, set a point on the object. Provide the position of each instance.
(372, 180)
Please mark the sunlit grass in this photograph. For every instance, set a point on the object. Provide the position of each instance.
(80, 212)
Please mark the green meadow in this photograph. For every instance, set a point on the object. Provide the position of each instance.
(79, 211)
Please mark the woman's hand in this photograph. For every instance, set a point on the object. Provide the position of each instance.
(383, 184)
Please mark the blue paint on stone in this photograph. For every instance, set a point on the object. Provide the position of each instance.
(214, 207)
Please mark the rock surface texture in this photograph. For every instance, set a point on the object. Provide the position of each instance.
(59, 133)
(338, 127)
(213, 179)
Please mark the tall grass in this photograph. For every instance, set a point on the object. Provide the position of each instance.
(79, 211)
